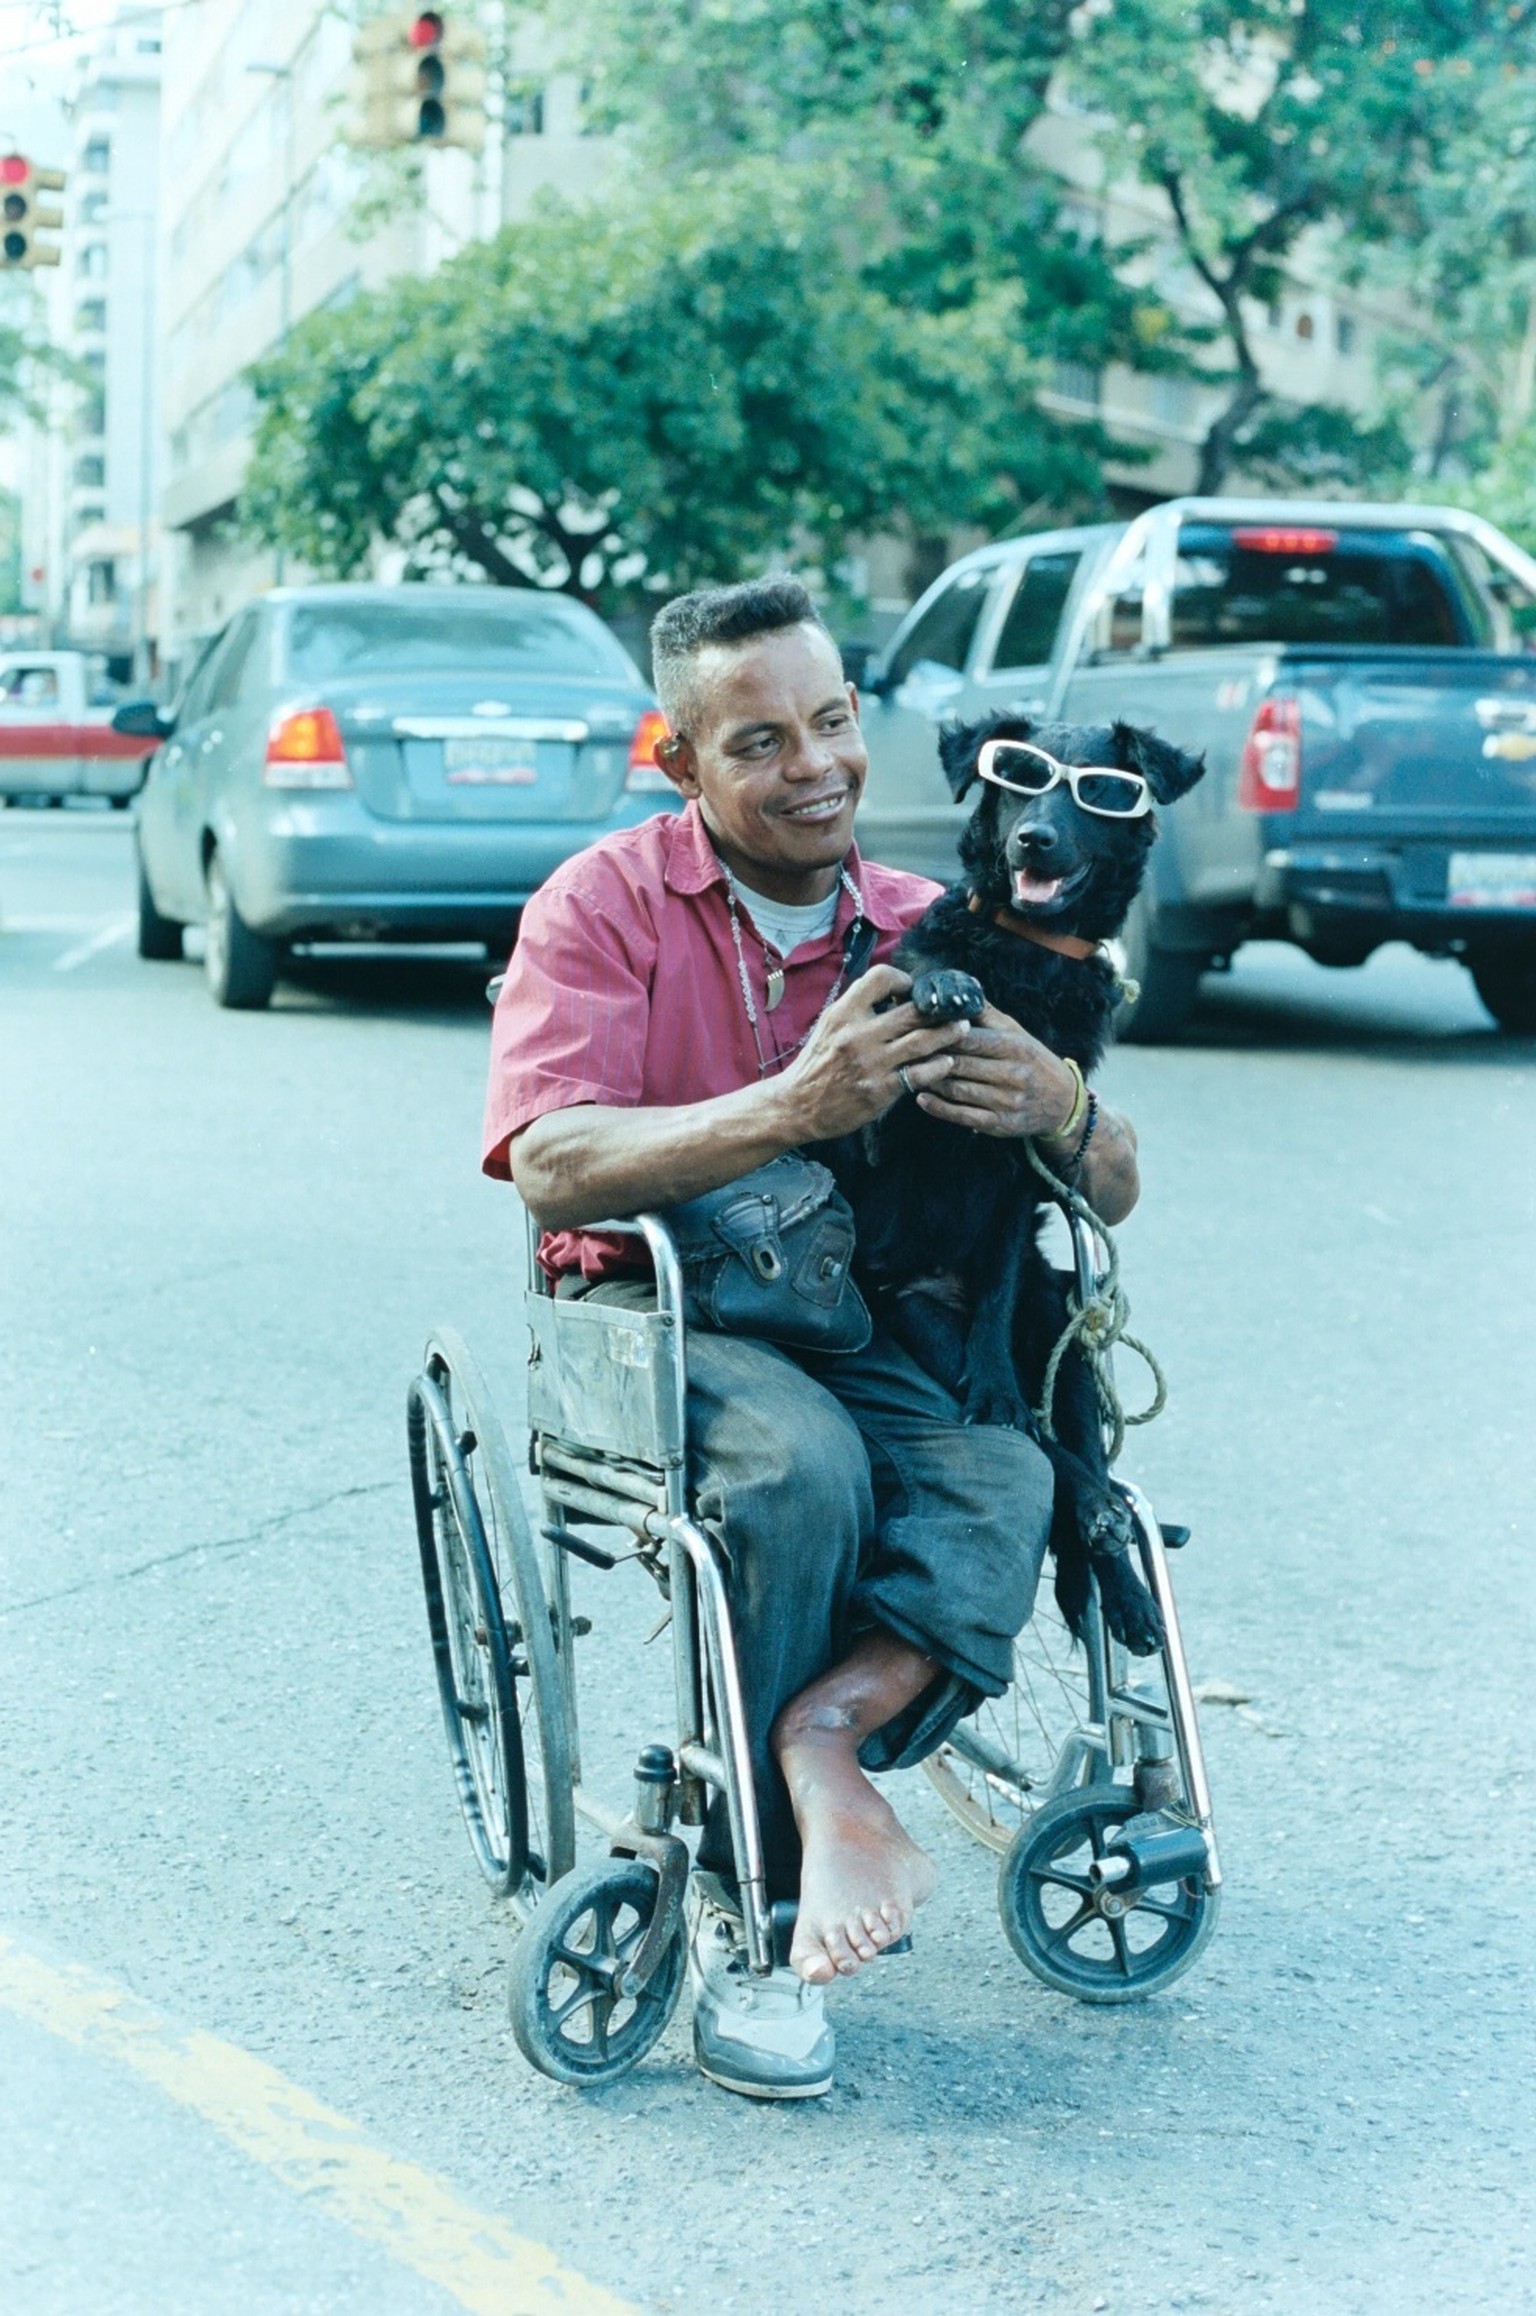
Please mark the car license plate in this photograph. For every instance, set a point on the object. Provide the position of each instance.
(1492, 880)
(490, 763)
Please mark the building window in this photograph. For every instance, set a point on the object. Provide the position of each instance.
(101, 582)
(1305, 326)
(89, 511)
(91, 314)
(90, 472)
(91, 263)
(1173, 400)
(97, 157)
(1077, 382)
(1346, 333)
(93, 208)
(525, 112)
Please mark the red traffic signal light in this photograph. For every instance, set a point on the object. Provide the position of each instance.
(422, 79)
(15, 169)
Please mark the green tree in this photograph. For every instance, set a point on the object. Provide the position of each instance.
(911, 126)
(1265, 120)
(1468, 273)
(616, 400)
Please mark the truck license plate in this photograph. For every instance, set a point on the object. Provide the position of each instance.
(490, 763)
(1492, 880)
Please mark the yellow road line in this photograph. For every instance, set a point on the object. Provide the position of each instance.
(313, 2150)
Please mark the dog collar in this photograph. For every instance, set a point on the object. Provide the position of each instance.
(1064, 944)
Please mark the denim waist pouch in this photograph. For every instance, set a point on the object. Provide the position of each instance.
(772, 1255)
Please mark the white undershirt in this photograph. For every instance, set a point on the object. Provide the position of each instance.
(784, 928)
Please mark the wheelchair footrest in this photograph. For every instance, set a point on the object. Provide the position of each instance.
(782, 1917)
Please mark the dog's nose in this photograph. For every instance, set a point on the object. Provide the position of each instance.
(1035, 837)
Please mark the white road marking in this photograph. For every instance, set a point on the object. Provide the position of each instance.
(84, 951)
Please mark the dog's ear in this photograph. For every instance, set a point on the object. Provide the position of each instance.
(1167, 770)
(959, 745)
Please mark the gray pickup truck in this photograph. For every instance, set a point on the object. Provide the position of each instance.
(1362, 680)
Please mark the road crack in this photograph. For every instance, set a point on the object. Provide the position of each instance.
(190, 1551)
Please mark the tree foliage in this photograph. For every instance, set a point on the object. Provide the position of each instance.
(627, 398)
(1262, 121)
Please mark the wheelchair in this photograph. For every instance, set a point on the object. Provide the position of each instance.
(1087, 1777)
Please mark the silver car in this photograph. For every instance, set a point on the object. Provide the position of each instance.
(358, 763)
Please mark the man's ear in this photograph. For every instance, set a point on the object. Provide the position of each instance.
(675, 756)
(958, 744)
(1168, 771)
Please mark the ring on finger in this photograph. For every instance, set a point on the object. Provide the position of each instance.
(907, 1086)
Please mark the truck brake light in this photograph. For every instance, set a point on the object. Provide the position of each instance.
(644, 771)
(1269, 777)
(1276, 541)
(304, 750)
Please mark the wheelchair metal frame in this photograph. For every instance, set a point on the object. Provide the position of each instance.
(607, 1403)
(641, 1484)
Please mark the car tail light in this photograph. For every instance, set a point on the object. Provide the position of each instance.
(304, 750)
(1277, 541)
(644, 771)
(1269, 777)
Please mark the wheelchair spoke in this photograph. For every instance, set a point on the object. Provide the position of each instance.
(1067, 1930)
(1122, 1950)
(1183, 1909)
(1058, 1878)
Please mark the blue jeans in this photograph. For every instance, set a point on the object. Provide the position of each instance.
(846, 1493)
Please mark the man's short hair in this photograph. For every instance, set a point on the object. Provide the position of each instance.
(689, 624)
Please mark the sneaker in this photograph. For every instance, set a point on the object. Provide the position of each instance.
(765, 2037)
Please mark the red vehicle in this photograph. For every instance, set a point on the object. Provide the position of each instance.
(56, 736)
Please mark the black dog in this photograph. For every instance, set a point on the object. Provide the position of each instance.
(949, 1221)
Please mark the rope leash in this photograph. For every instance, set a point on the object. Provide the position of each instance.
(1097, 1324)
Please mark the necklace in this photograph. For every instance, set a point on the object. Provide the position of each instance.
(774, 976)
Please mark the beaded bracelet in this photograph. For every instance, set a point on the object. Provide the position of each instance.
(1074, 1165)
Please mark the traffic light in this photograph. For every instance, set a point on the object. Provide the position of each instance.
(23, 218)
(422, 79)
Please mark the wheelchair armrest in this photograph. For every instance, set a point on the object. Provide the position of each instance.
(658, 1240)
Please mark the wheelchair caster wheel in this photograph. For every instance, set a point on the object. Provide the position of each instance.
(569, 2017)
(1087, 1936)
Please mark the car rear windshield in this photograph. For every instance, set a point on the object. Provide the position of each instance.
(531, 634)
(1273, 584)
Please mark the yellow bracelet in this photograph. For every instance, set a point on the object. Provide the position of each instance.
(1074, 1117)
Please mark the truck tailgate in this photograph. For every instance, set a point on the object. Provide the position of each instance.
(1443, 741)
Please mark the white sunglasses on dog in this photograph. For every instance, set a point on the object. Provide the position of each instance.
(1098, 788)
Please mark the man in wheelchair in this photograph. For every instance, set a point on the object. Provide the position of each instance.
(680, 1009)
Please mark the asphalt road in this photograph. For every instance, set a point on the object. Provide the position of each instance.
(232, 1837)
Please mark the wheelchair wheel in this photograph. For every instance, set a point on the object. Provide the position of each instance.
(568, 2016)
(1058, 1925)
(998, 1767)
(492, 1641)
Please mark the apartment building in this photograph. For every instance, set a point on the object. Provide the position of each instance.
(271, 210)
(1316, 344)
(88, 472)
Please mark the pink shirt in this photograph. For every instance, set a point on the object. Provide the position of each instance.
(624, 990)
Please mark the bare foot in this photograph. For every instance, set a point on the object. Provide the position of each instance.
(862, 1880)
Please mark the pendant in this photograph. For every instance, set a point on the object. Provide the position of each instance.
(775, 985)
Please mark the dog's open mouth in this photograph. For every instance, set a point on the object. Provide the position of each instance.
(1028, 893)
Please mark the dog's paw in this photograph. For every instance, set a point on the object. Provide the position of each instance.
(940, 993)
(1131, 1613)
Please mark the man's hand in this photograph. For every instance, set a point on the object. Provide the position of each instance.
(1005, 1082)
(849, 1069)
